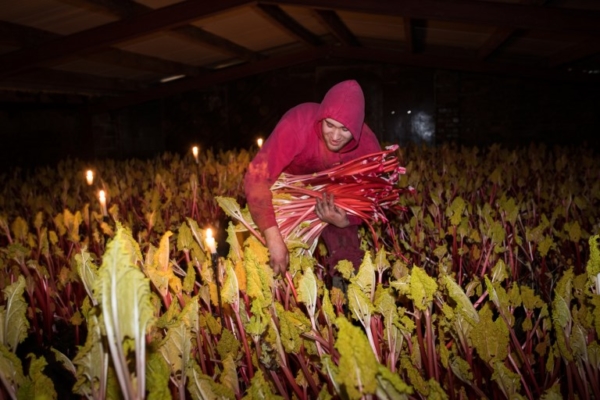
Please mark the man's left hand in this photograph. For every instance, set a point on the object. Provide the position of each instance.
(328, 212)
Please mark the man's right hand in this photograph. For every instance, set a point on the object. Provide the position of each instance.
(278, 252)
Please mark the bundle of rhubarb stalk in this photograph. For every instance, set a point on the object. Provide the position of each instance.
(366, 187)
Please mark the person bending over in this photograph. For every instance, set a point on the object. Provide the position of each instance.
(309, 138)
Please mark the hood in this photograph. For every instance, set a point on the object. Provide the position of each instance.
(345, 103)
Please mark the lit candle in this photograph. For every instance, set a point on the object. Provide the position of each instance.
(89, 176)
(210, 242)
(195, 153)
(259, 142)
(102, 197)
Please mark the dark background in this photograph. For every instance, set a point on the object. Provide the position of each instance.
(404, 105)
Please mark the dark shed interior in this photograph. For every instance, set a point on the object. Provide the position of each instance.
(123, 78)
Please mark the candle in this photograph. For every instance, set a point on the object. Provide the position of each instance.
(89, 176)
(210, 242)
(259, 142)
(102, 197)
(195, 153)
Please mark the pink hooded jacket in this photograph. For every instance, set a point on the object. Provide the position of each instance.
(296, 146)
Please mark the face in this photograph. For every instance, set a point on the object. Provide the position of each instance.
(335, 135)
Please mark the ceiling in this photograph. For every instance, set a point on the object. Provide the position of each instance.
(123, 50)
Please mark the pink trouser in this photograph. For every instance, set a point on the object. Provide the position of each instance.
(342, 244)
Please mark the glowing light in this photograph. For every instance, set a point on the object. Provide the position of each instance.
(89, 176)
(210, 241)
(409, 112)
(195, 153)
(171, 78)
(102, 198)
(259, 142)
(423, 126)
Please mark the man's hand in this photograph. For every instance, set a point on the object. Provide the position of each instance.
(328, 212)
(279, 256)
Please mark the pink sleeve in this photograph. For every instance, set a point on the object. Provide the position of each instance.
(276, 154)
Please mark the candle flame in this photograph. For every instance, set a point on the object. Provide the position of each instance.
(259, 142)
(89, 176)
(102, 197)
(195, 151)
(210, 242)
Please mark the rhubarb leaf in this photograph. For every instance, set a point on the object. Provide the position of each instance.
(593, 265)
(20, 230)
(365, 277)
(455, 211)
(14, 315)
(228, 345)
(491, 338)
(235, 249)
(260, 389)
(157, 377)
(422, 288)
(291, 326)
(508, 381)
(554, 393)
(357, 365)
(229, 376)
(259, 279)
(176, 350)
(463, 304)
(204, 387)
(414, 377)
(327, 307)
(37, 385)
(11, 370)
(88, 272)
(159, 270)
(360, 305)
(461, 368)
(307, 291)
(127, 310)
(91, 363)
(391, 386)
(230, 292)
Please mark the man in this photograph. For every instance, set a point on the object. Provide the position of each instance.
(312, 137)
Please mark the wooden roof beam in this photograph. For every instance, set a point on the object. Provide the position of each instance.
(288, 24)
(501, 36)
(130, 8)
(517, 16)
(109, 34)
(336, 26)
(414, 34)
(24, 36)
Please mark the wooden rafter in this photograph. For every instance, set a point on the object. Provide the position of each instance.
(288, 24)
(109, 34)
(468, 11)
(501, 36)
(336, 26)
(130, 8)
(24, 36)
(414, 34)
